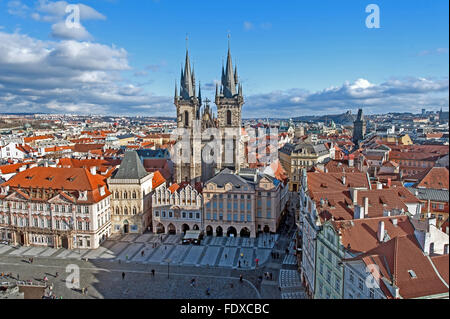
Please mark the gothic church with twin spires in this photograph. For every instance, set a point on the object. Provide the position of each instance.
(194, 116)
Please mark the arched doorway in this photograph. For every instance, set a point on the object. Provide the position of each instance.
(22, 239)
(245, 232)
(184, 228)
(160, 229)
(65, 242)
(209, 231)
(195, 227)
(266, 229)
(126, 227)
(231, 232)
(171, 229)
(219, 231)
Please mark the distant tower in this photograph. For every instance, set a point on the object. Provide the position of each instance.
(229, 101)
(188, 111)
(359, 127)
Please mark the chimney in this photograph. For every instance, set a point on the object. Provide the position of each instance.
(354, 193)
(93, 170)
(351, 160)
(379, 185)
(359, 212)
(395, 222)
(366, 205)
(380, 233)
(344, 180)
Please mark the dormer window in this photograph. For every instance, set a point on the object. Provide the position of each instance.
(412, 274)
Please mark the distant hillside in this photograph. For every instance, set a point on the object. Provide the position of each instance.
(343, 119)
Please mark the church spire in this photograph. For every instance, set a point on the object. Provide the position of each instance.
(187, 79)
(228, 79)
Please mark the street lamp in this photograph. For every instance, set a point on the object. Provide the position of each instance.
(168, 266)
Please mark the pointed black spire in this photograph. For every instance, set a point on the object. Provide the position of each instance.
(229, 80)
(187, 79)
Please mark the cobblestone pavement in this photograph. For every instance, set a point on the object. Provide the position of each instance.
(214, 264)
(104, 280)
(286, 282)
(236, 253)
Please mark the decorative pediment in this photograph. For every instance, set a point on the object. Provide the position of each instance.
(18, 195)
(62, 198)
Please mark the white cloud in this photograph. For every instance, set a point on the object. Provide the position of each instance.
(56, 11)
(17, 8)
(402, 95)
(248, 26)
(437, 51)
(61, 31)
(68, 76)
(251, 26)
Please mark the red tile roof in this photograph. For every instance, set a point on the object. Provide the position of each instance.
(398, 257)
(37, 138)
(68, 179)
(435, 178)
(361, 234)
(158, 179)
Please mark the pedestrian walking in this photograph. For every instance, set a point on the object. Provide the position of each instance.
(241, 279)
(153, 272)
(142, 253)
(56, 275)
(123, 276)
(82, 291)
(86, 291)
(239, 264)
(18, 277)
(207, 291)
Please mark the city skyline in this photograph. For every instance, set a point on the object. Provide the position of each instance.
(116, 65)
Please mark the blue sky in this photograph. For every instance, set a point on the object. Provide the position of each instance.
(294, 57)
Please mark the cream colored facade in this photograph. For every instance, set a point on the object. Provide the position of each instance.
(243, 209)
(294, 158)
(131, 204)
(56, 223)
(177, 212)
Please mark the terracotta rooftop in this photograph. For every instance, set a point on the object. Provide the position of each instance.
(435, 178)
(55, 179)
(401, 259)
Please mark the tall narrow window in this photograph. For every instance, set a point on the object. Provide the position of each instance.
(186, 118)
(228, 117)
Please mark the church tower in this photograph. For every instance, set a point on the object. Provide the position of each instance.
(188, 113)
(229, 101)
(359, 128)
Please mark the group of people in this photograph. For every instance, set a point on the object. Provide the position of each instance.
(275, 255)
(268, 276)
